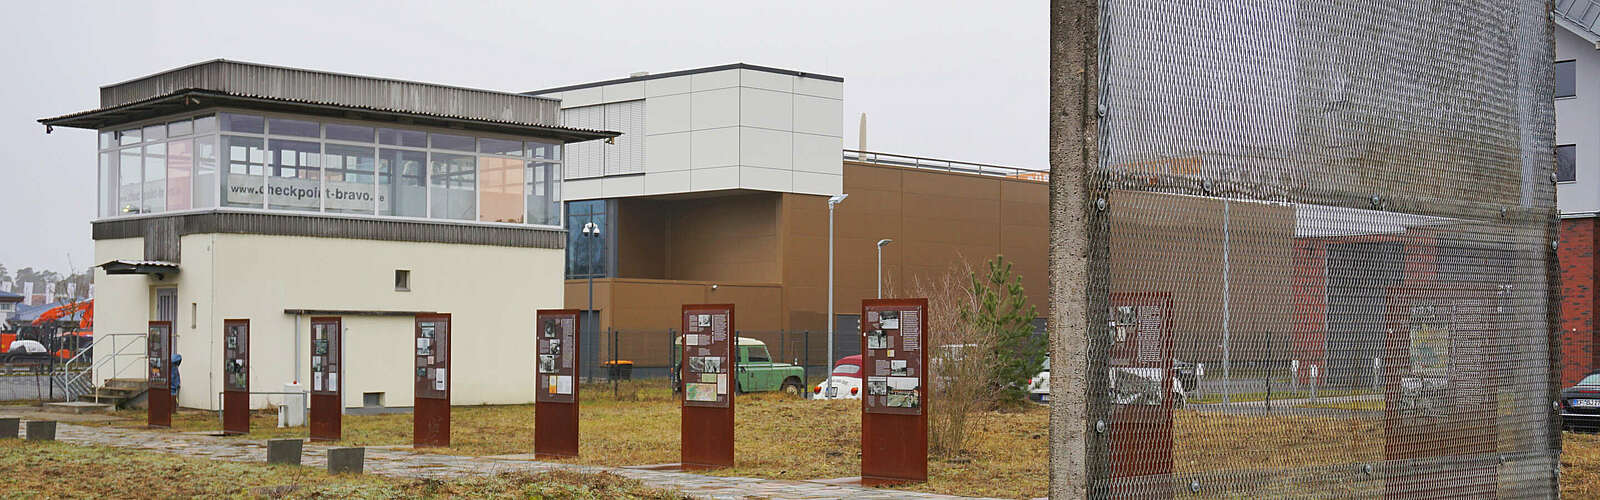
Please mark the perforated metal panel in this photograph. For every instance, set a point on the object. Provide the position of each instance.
(625, 155)
(1324, 230)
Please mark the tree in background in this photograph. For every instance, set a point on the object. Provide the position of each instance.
(1002, 313)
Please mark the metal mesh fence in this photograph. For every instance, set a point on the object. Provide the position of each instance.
(1324, 235)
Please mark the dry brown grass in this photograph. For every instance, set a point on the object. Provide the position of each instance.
(1006, 456)
(61, 470)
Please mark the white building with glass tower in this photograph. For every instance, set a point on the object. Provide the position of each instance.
(231, 190)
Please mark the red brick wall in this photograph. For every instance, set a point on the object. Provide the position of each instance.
(1576, 254)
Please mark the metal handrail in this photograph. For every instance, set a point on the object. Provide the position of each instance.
(118, 352)
(943, 164)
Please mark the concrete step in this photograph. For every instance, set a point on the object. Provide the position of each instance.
(79, 407)
(137, 384)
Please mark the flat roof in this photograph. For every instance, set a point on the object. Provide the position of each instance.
(225, 83)
(707, 69)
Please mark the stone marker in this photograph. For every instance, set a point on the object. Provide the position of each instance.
(9, 427)
(284, 451)
(41, 430)
(343, 460)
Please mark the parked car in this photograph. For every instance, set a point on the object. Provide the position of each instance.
(845, 383)
(757, 372)
(1183, 381)
(1039, 385)
(1580, 404)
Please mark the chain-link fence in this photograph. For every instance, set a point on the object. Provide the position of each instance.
(1344, 212)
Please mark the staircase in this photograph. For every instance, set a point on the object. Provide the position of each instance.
(119, 392)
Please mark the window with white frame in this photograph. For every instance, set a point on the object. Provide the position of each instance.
(296, 163)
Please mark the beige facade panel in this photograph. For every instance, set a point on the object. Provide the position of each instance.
(491, 292)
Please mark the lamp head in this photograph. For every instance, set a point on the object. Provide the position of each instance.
(837, 199)
(884, 241)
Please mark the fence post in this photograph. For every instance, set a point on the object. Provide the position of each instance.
(612, 372)
(1078, 254)
(807, 341)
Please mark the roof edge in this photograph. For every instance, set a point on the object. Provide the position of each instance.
(1576, 29)
(334, 73)
(671, 74)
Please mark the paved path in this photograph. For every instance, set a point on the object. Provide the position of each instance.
(400, 462)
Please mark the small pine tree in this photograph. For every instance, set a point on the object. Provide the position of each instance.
(1004, 316)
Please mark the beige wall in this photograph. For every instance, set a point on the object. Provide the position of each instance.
(490, 291)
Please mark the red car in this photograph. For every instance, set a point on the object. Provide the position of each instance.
(846, 381)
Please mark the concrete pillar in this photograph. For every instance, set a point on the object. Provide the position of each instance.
(284, 451)
(1076, 450)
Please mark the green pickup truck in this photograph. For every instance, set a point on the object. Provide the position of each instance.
(756, 370)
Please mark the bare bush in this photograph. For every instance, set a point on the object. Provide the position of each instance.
(958, 377)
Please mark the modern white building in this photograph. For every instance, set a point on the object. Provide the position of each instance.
(721, 128)
(232, 190)
(1577, 94)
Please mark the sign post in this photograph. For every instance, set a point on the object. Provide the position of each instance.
(236, 376)
(327, 364)
(158, 350)
(1141, 378)
(555, 426)
(430, 425)
(708, 367)
(894, 427)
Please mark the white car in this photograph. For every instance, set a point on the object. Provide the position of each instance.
(1039, 385)
(845, 383)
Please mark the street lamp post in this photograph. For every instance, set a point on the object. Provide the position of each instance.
(833, 201)
(881, 243)
(591, 232)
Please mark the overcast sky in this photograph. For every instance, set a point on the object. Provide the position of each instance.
(952, 80)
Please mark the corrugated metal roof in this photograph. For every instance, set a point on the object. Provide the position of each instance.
(301, 85)
(1580, 16)
(222, 83)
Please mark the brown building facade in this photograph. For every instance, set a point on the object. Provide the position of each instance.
(766, 252)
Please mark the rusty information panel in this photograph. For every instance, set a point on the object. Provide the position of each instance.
(558, 356)
(555, 429)
(894, 429)
(892, 356)
(158, 351)
(707, 365)
(431, 420)
(708, 357)
(327, 362)
(236, 376)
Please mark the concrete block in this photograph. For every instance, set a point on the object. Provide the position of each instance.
(41, 430)
(9, 427)
(346, 460)
(284, 451)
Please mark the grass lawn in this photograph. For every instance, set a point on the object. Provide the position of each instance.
(779, 437)
(58, 470)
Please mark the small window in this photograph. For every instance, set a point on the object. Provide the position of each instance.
(402, 280)
(180, 128)
(155, 132)
(242, 123)
(298, 128)
(399, 137)
(353, 133)
(129, 136)
(758, 354)
(453, 142)
(1566, 79)
(108, 139)
(1566, 163)
(204, 124)
(500, 147)
(372, 399)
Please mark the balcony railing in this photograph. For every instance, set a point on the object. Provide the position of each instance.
(945, 165)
